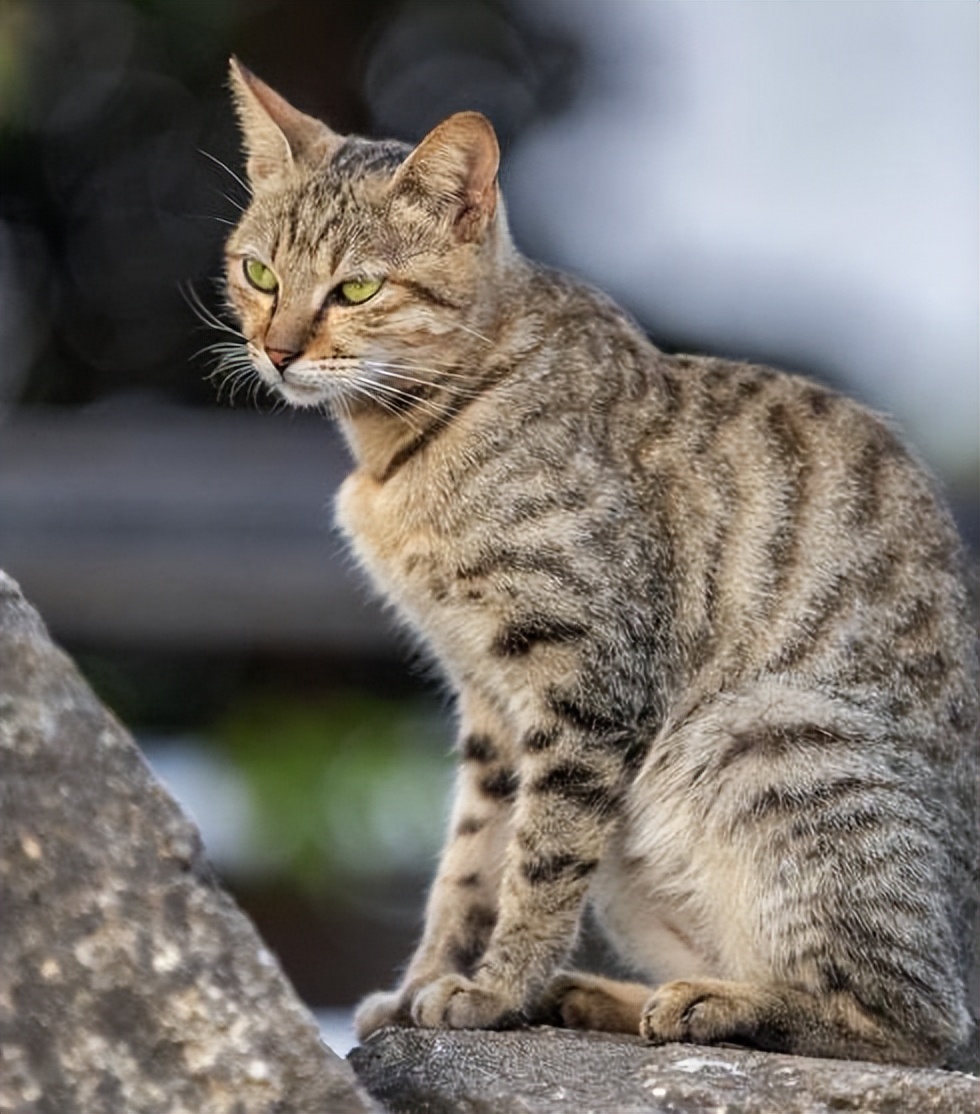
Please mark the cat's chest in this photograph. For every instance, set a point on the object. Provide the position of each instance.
(413, 555)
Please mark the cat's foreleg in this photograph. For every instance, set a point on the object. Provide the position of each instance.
(571, 782)
(462, 905)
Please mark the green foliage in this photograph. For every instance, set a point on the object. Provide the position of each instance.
(349, 785)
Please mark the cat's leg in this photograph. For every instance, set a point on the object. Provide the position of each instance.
(634, 927)
(573, 771)
(818, 882)
(462, 905)
(709, 1011)
(778, 1018)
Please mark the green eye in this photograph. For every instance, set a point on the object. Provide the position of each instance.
(359, 290)
(260, 276)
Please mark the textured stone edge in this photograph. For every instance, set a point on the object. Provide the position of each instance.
(550, 1071)
(128, 978)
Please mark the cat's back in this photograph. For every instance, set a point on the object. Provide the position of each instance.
(812, 540)
(793, 527)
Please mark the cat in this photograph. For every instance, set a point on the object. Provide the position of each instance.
(714, 666)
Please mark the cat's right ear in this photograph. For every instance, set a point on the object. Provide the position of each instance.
(277, 136)
(455, 169)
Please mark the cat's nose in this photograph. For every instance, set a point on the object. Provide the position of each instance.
(280, 357)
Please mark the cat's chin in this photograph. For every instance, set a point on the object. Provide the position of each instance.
(302, 397)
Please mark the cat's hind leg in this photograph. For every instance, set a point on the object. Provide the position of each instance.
(712, 1011)
(581, 1001)
(810, 851)
(778, 1018)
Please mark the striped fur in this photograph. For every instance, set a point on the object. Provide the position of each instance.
(705, 622)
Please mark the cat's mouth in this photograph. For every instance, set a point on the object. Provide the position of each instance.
(292, 383)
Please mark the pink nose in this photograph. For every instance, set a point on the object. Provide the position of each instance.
(280, 357)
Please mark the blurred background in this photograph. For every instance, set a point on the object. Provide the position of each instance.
(795, 183)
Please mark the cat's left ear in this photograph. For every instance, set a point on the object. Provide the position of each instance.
(277, 136)
(455, 166)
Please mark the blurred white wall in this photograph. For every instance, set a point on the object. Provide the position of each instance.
(786, 179)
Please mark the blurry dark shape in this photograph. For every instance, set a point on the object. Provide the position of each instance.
(21, 275)
(105, 204)
(310, 50)
(338, 951)
(432, 59)
(160, 691)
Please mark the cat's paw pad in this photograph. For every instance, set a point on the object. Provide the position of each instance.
(456, 1002)
(698, 1011)
(387, 1007)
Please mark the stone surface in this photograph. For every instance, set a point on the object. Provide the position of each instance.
(554, 1071)
(129, 982)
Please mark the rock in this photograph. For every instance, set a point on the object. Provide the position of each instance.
(555, 1071)
(129, 982)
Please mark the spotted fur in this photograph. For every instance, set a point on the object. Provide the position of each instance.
(704, 620)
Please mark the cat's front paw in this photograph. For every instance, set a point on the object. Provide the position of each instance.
(456, 1002)
(386, 1007)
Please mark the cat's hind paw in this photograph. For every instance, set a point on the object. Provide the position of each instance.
(577, 1000)
(456, 1002)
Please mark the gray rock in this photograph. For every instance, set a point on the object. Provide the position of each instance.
(129, 982)
(555, 1071)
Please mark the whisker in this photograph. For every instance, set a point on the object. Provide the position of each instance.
(202, 313)
(446, 371)
(422, 365)
(479, 336)
(233, 202)
(208, 216)
(461, 389)
(367, 391)
(391, 389)
(224, 166)
(427, 406)
(252, 394)
(236, 379)
(222, 350)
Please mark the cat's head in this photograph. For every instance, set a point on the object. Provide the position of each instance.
(361, 271)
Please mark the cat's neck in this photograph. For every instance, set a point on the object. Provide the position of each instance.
(381, 440)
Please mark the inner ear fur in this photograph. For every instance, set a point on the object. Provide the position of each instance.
(277, 136)
(456, 165)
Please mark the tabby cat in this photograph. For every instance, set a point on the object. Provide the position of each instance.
(704, 621)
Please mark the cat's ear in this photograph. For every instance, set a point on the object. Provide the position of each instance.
(455, 166)
(277, 136)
